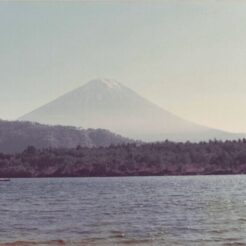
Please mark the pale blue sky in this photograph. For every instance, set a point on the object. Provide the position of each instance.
(187, 56)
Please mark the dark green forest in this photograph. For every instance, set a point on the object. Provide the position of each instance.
(164, 158)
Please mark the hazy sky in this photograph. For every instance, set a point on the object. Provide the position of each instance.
(187, 56)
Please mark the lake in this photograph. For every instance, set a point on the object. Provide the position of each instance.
(188, 210)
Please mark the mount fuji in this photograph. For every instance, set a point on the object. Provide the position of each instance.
(107, 104)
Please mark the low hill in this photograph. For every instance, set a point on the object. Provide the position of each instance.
(15, 136)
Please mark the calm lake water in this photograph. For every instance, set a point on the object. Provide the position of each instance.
(198, 210)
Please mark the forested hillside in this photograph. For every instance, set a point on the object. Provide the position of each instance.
(15, 136)
(167, 158)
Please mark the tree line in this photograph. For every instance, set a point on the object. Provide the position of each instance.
(135, 159)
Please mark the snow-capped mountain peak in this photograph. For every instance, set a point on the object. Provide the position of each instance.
(109, 83)
(105, 103)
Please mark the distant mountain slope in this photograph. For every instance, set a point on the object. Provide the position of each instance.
(107, 104)
(15, 136)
